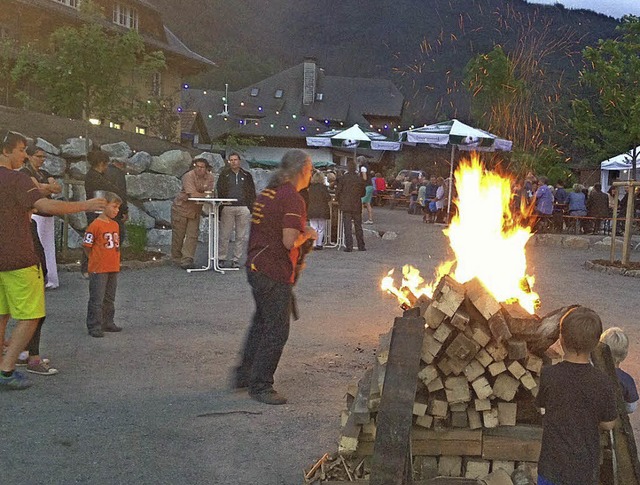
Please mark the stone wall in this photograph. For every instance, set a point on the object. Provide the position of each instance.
(153, 181)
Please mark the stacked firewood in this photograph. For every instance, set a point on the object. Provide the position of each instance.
(480, 368)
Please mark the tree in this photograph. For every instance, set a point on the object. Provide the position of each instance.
(605, 118)
(513, 97)
(87, 71)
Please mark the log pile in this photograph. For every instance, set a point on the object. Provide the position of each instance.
(473, 413)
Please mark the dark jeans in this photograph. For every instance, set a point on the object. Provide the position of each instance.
(356, 217)
(268, 333)
(102, 297)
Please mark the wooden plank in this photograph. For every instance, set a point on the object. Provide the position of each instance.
(435, 385)
(516, 369)
(384, 340)
(438, 408)
(425, 421)
(450, 466)
(628, 467)
(448, 296)
(457, 389)
(490, 418)
(434, 317)
(507, 413)
(482, 300)
(497, 477)
(474, 418)
(517, 349)
(497, 350)
(360, 408)
(462, 348)
(513, 443)
(430, 347)
(476, 468)
(497, 368)
(499, 328)
(473, 370)
(483, 357)
(505, 387)
(460, 319)
(533, 363)
(482, 387)
(459, 419)
(479, 332)
(441, 334)
(391, 451)
(428, 374)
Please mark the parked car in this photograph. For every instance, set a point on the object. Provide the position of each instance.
(413, 174)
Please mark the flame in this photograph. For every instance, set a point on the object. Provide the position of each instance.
(488, 242)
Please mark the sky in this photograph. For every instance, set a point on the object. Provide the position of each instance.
(614, 8)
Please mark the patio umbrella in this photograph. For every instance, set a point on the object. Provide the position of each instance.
(457, 135)
(353, 137)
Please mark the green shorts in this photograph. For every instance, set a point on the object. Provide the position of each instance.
(22, 293)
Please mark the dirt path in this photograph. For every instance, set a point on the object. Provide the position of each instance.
(127, 408)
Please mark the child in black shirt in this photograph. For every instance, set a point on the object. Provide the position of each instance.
(578, 401)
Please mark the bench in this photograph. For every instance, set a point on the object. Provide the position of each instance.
(394, 200)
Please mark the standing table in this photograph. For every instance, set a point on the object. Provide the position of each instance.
(213, 257)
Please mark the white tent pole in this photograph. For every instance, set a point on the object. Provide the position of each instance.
(453, 150)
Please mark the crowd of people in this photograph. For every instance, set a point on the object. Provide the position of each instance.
(588, 210)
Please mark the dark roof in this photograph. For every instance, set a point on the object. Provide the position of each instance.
(172, 43)
(344, 101)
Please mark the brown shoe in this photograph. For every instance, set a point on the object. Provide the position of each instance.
(270, 396)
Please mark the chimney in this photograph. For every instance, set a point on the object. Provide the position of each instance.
(309, 81)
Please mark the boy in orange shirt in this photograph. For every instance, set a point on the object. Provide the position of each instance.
(102, 245)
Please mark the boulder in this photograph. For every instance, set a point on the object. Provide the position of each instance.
(152, 186)
(389, 236)
(47, 147)
(173, 162)
(74, 240)
(118, 150)
(160, 210)
(78, 221)
(78, 170)
(77, 192)
(215, 160)
(54, 165)
(261, 178)
(140, 217)
(138, 163)
(76, 147)
(575, 242)
(203, 230)
(158, 237)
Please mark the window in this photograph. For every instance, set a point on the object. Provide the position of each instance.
(125, 16)
(141, 130)
(255, 91)
(95, 121)
(115, 125)
(279, 93)
(156, 84)
(69, 3)
(319, 96)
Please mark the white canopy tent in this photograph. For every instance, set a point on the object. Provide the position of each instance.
(620, 163)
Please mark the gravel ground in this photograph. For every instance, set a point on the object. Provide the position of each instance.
(150, 405)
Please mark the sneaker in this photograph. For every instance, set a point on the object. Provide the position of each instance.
(41, 367)
(96, 332)
(368, 222)
(111, 328)
(318, 248)
(23, 362)
(14, 382)
(23, 359)
(347, 250)
(269, 396)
